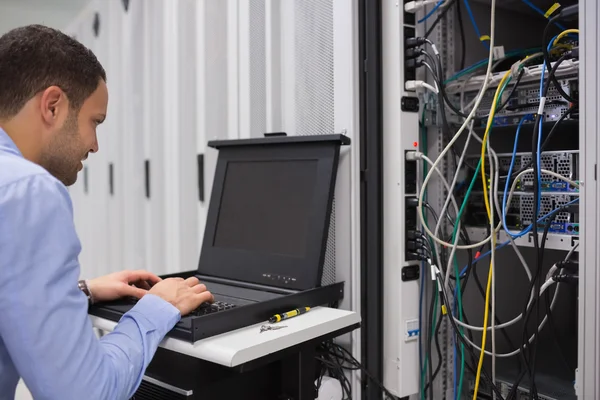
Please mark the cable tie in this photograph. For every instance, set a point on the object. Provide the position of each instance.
(551, 10)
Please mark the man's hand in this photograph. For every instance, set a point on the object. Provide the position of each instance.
(119, 284)
(185, 295)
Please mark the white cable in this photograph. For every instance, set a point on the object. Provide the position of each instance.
(493, 167)
(432, 72)
(515, 247)
(545, 286)
(445, 207)
(414, 6)
(442, 178)
(518, 318)
(414, 85)
(457, 135)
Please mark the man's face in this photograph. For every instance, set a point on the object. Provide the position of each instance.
(76, 138)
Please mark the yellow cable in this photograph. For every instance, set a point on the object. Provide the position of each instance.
(485, 137)
(563, 34)
(493, 244)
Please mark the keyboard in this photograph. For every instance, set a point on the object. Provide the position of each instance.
(210, 308)
(203, 309)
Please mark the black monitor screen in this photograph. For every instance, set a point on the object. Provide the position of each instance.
(266, 205)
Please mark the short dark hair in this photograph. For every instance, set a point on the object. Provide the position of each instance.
(35, 57)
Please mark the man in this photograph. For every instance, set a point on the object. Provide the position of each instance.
(53, 95)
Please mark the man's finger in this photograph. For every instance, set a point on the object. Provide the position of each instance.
(205, 297)
(192, 281)
(141, 275)
(199, 288)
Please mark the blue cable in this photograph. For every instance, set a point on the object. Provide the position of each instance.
(430, 13)
(510, 169)
(472, 17)
(484, 255)
(543, 14)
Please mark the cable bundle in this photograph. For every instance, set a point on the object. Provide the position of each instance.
(438, 248)
(334, 360)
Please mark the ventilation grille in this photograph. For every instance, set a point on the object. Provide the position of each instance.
(314, 89)
(314, 67)
(560, 163)
(548, 204)
(328, 276)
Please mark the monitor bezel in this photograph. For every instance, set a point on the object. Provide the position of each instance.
(276, 270)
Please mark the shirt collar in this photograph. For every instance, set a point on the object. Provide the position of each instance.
(7, 144)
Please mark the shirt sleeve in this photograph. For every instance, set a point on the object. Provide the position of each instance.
(43, 315)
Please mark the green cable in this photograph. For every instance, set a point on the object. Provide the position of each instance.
(454, 232)
(483, 63)
(457, 272)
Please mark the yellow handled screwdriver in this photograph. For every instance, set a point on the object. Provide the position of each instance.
(289, 314)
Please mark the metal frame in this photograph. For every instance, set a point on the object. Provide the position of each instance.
(587, 380)
(371, 191)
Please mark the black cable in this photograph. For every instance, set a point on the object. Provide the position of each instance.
(439, 353)
(353, 361)
(555, 337)
(461, 27)
(440, 16)
(554, 129)
(547, 60)
(533, 392)
(533, 285)
(536, 244)
(462, 339)
(432, 312)
(446, 99)
(431, 210)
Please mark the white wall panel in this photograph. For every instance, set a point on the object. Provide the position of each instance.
(153, 136)
(212, 89)
(114, 137)
(189, 245)
(171, 131)
(288, 66)
(233, 66)
(273, 71)
(130, 171)
(97, 170)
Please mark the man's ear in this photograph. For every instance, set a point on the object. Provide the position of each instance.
(53, 105)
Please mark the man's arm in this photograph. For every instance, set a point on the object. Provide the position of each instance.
(43, 314)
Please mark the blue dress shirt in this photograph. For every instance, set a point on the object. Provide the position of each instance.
(45, 334)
